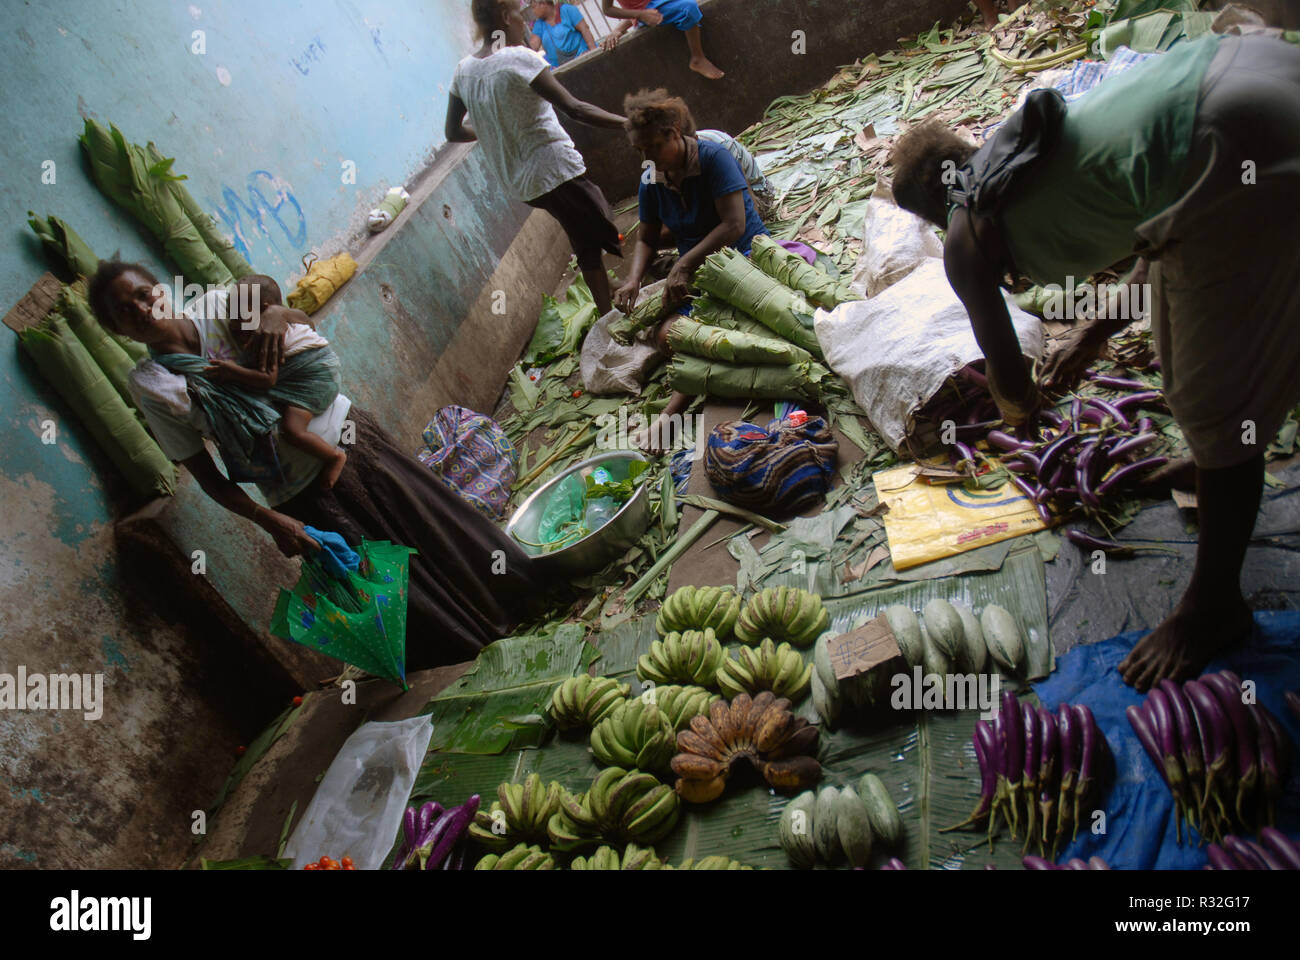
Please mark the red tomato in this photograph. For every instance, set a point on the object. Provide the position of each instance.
(297, 701)
(347, 863)
(577, 393)
(240, 751)
(311, 866)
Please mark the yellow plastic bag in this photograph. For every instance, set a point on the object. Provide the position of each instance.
(931, 521)
(323, 278)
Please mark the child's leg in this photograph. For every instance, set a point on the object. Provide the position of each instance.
(699, 62)
(293, 428)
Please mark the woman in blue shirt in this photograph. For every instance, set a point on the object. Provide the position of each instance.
(696, 191)
(560, 31)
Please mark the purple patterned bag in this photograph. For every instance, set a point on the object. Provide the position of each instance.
(473, 456)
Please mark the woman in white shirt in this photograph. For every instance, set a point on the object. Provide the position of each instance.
(510, 95)
(470, 584)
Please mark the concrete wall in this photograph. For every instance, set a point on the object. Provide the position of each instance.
(755, 43)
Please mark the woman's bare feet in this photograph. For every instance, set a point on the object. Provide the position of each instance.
(333, 470)
(705, 68)
(1189, 639)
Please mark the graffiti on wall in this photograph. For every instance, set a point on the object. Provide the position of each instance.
(315, 50)
(268, 199)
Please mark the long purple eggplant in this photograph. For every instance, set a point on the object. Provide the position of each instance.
(1229, 696)
(1188, 739)
(1129, 445)
(452, 826)
(1014, 761)
(1216, 743)
(1116, 383)
(1029, 778)
(986, 734)
(1281, 743)
(1219, 858)
(1068, 726)
(1166, 729)
(1097, 863)
(416, 825)
(1269, 775)
(1090, 758)
(988, 777)
(1270, 862)
(1129, 470)
(1281, 846)
(1245, 857)
(1083, 474)
(1038, 863)
(1048, 744)
(1110, 410)
(1124, 404)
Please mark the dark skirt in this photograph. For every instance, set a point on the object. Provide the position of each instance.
(470, 584)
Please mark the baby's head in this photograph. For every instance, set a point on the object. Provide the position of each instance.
(252, 295)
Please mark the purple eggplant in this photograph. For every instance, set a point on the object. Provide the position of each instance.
(1053, 453)
(1219, 858)
(1270, 862)
(1245, 857)
(1029, 778)
(1229, 696)
(1090, 751)
(1281, 846)
(988, 777)
(1131, 445)
(1097, 863)
(894, 864)
(1281, 743)
(1083, 475)
(451, 827)
(1014, 761)
(1074, 863)
(1130, 470)
(1038, 863)
(1004, 441)
(986, 735)
(1188, 739)
(1051, 418)
(1269, 773)
(1110, 410)
(1161, 713)
(1048, 744)
(1216, 743)
(1068, 726)
(1116, 383)
(1088, 542)
(1134, 400)
(1140, 721)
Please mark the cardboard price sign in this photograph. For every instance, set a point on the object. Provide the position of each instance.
(862, 649)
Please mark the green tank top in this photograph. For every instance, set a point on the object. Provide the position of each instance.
(1119, 162)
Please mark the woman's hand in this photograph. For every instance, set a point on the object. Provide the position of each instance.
(1078, 349)
(677, 285)
(288, 534)
(267, 342)
(218, 371)
(625, 296)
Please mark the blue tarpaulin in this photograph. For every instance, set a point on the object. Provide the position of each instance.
(1139, 827)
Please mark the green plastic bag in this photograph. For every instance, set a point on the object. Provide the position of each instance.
(561, 521)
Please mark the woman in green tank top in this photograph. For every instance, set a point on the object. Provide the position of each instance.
(1190, 160)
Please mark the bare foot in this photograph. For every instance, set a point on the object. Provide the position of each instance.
(1181, 646)
(333, 470)
(705, 68)
(1176, 474)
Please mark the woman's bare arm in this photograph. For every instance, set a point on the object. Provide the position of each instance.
(456, 130)
(287, 532)
(551, 89)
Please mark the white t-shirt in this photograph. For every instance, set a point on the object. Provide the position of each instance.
(180, 426)
(521, 136)
(300, 337)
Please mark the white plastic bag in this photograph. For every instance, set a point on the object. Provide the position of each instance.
(894, 243)
(357, 809)
(896, 349)
(610, 367)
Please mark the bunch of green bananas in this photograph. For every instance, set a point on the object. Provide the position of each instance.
(573, 826)
(779, 669)
(694, 608)
(584, 701)
(714, 862)
(679, 704)
(521, 812)
(522, 857)
(607, 858)
(782, 613)
(635, 734)
(621, 806)
(689, 657)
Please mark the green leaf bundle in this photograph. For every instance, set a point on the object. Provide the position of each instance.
(796, 381)
(731, 346)
(113, 361)
(795, 272)
(71, 370)
(623, 329)
(729, 276)
(64, 245)
(212, 236)
(562, 325)
(719, 313)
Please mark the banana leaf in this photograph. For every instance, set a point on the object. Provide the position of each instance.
(797, 381)
(561, 326)
(64, 245)
(71, 370)
(730, 276)
(795, 272)
(731, 346)
(127, 175)
(719, 313)
(212, 236)
(623, 328)
(108, 354)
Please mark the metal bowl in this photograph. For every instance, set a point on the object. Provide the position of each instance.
(600, 546)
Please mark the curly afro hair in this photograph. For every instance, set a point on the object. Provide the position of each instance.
(654, 111)
(920, 158)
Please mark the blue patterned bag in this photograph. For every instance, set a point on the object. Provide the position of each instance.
(473, 456)
(777, 471)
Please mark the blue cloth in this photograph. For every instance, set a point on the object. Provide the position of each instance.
(562, 42)
(335, 555)
(1139, 807)
(682, 14)
(692, 214)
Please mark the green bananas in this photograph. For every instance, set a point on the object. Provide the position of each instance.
(690, 657)
(714, 862)
(523, 810)
(679, 704)
(607, 858)
(779, 669)
(694, 608)
(584, 701)
(522, 857)
(572, 827)
(782, 613)
(635, 734)
(621, 806)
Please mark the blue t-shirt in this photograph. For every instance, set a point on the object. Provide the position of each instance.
(562, 42)
(692, 214)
